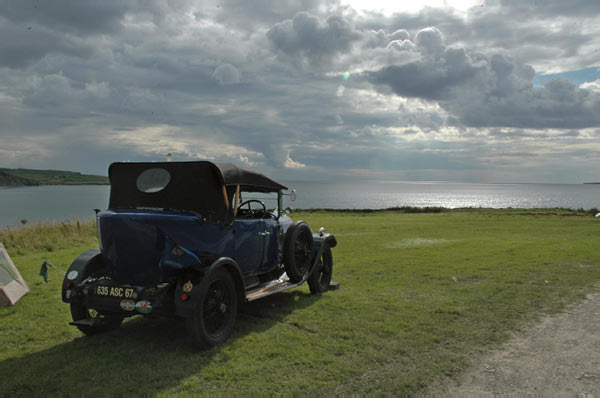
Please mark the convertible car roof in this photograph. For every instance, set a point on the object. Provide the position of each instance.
(247, 179)
(195, 186)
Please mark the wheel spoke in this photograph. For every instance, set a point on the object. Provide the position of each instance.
(210, 306)
(216, 309)
(215, 322)
(218, 294)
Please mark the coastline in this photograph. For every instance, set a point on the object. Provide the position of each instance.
(63, 202)
(32, 177)
(542, 211)
(77, 184)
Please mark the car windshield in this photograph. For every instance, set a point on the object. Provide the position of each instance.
(269, 200)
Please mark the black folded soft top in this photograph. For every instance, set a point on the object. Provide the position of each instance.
(187, 186)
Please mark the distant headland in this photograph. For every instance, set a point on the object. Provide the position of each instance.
(29, 177)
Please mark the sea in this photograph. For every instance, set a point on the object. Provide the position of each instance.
(21, 205)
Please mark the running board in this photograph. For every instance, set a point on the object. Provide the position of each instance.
(270, 288)
(278, 286)
(283, 283)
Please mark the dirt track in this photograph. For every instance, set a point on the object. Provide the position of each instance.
(560, 356)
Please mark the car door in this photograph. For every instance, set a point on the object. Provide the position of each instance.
(249, 236)
(270, 256)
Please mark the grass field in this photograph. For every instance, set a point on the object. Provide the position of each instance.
(420, 295)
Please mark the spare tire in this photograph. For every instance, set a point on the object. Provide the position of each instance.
(297, 250)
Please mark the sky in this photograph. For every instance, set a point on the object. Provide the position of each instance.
(472, 91)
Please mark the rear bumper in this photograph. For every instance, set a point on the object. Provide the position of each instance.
(109, 298)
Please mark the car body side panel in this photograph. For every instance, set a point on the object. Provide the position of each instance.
(249, 236)
(132, 242)
(270, 249)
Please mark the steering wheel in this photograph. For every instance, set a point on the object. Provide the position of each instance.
(252, 213)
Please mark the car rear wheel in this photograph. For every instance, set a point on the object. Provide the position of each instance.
(92, 321)
(319, 281)
(297, 250)
(216, 307)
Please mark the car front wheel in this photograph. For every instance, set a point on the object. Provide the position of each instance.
(216, 307)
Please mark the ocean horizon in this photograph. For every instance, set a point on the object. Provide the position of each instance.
(58, 203)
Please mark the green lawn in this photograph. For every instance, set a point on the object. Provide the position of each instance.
(420, 295)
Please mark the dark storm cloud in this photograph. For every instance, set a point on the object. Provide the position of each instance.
(485, 91)
(72, 16)
(24, 45)
(253, 14)
(435, 74)
(524, 35)
(533, 32)
(407, 158)
(312, 41)
(86, 17)
(32, 29)
(559, 104)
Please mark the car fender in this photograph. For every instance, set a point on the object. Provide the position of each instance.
(320, 242)
(325, 238)
(86, 263)
(185, 308)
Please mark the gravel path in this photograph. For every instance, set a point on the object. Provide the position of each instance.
(560, 356)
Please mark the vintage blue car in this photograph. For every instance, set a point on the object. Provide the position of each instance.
(192, 240)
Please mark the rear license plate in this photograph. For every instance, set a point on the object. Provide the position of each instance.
(114, 291)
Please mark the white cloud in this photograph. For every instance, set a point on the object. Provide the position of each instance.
(158, 140)
(390, 7)
(594, 86)
(292, 164)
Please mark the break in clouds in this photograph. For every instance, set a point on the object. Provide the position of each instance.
(303, 89)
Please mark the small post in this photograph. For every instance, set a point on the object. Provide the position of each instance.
(97, 226)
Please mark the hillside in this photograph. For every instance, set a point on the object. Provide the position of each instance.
(9, 180)
(25, 177)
